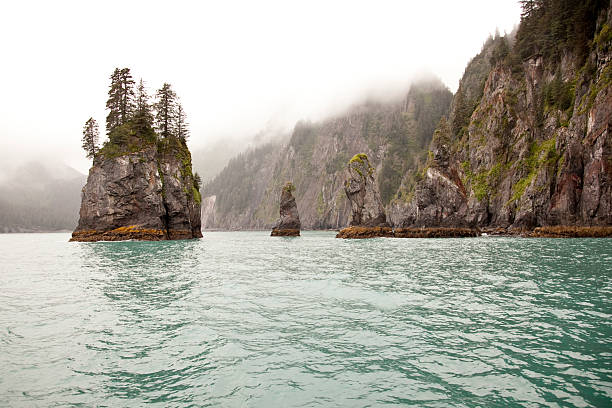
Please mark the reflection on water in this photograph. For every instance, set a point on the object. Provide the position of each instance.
(145, 287)
(152, 274)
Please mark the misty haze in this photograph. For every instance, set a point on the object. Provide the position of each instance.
(279, 204)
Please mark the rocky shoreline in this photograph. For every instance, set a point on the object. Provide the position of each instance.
(285, 233)
(357, 232)
(130, 233)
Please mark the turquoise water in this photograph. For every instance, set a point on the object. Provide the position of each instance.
(240, 319)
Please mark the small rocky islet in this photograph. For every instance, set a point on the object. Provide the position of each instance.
(149, 195)
(289, 223)
(141, 185)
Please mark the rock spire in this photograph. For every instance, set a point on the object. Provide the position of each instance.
(289, 222)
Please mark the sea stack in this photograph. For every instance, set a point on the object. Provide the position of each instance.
(367, 218)
(147, 194)
(289, 224)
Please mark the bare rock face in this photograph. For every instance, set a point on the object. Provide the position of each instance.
(144, 195)
(367, 211)
(362, 191)
(440, 199)
(289, 223)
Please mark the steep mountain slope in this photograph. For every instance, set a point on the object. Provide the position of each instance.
(40, 197)
(536, 149)
(394, 135)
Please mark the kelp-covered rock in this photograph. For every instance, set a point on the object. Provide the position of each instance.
(289, 222)
(147, 194)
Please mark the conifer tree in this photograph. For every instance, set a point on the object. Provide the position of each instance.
(114, 102)
(143, 117)
(91, 135)
(197, 181)
(165, 108)
(120, 101)
(182, 126)
(127, 95)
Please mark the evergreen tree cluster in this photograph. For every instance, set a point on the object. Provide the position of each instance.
(548, 27)
(131, 117)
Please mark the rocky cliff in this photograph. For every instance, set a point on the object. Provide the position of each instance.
(148, 193)
(367, 218)
(525, 143)
(362, 192)
(394, 135)
(289, 222)
(535, 149)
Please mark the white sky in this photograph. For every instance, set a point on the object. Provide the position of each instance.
(237, 66)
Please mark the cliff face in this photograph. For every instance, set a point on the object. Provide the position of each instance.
(394, 136)
(535, 151)
(526, 143)
(362, 192)
(148, 194)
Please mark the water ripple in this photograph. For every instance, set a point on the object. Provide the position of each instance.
(242, 319)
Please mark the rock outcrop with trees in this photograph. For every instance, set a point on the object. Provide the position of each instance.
(141, 184)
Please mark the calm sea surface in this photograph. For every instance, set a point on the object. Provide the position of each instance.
(240, 319)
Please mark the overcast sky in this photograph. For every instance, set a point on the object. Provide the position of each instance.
(237, 66)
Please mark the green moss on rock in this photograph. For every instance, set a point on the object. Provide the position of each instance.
(359, 157)
(540, 155)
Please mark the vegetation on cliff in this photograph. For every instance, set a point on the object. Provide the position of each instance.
(133, 124)
(524, 143)
(529, 129)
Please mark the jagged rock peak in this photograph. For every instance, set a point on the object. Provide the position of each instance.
(149, 194)
(289, 222)
(362, 191)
